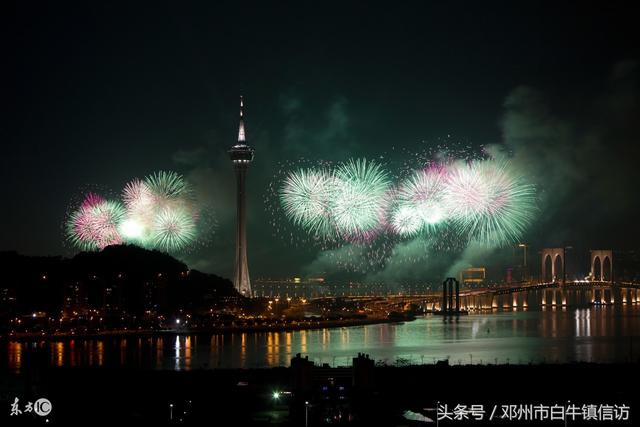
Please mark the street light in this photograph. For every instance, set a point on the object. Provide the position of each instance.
(306, 414)
(171, 411)
(524, 247)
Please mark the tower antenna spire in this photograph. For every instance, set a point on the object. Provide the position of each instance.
(241, 134)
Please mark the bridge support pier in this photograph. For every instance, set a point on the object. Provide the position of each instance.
(444, 297)
(447, 296)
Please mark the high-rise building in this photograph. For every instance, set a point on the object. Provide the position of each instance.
(241, 155)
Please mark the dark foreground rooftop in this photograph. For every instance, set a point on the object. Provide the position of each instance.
(363, 395)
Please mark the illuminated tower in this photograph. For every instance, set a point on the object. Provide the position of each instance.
(241, 155)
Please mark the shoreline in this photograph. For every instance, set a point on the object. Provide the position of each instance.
(307, 325)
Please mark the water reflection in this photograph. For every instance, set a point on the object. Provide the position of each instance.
(100, 352)
(59, 353)
(599, 334)
(187, 352)
(583, 323)
(303, 341)
(15, 356)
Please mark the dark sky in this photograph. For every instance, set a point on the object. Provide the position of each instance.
(96, 93)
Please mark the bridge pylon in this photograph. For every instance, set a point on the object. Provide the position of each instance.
(447, 306)
(553, 254)
(601, 258)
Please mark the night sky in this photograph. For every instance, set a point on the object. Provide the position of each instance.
(96, 94)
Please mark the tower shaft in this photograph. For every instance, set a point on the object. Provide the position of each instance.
(241, 278)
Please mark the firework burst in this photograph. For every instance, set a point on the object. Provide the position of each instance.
(489, 202)
(345, 203)
(360, 199)
(419, 202)
(94, 225)
(306, 198)
(174, 229)
(137, 196)
(167, 185)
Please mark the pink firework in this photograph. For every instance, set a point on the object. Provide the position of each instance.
(94, 225)
(91, 200)
(137, 196)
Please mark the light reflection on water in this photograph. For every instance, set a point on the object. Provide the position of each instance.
(597, 334)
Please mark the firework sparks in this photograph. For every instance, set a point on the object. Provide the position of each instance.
(167, 185)
(343, 203)
(447, 204)
(489, 201)
(174, 229)
(419, 202)
(95, 224)
(306, 198)
(359, 201)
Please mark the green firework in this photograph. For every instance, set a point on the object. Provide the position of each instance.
(306, 197)
(167, 185)
(419, 203)
(174, 228)
(360, 197)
